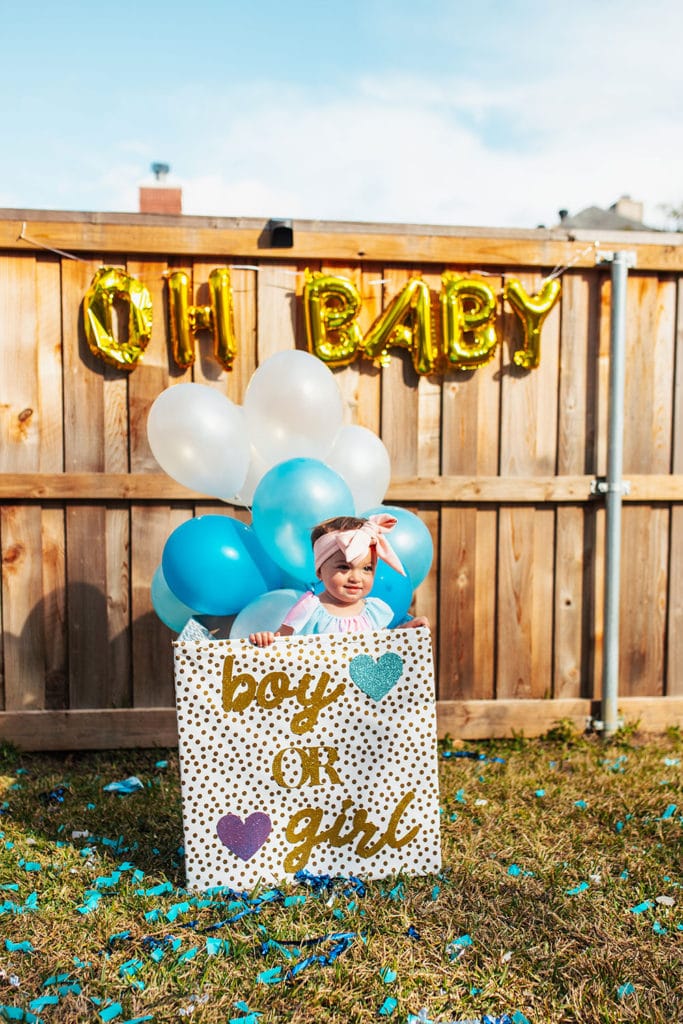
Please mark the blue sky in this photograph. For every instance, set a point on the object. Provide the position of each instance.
(490, 113)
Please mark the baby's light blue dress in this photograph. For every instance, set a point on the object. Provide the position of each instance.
(309, 617)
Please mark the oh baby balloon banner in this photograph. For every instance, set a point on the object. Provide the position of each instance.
(315, 753)
(456, 332)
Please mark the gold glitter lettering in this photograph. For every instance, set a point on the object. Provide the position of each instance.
(304, 833)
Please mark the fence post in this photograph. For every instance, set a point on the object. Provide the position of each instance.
(613, 488)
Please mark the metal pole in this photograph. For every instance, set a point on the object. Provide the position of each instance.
(614, 488)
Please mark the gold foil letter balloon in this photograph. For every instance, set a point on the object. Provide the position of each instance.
(468, 312)
(186, 320)
(532, 311)
(331, 305)
(407, 322)
(108, 285)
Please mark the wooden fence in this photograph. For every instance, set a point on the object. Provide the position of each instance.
(497, 461)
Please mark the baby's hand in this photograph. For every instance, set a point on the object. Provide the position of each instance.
(421, 620)
(263, 639)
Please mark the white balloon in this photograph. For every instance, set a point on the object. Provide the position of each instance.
(362, 460)
(293, 407)
(266, 613)
(199, 437)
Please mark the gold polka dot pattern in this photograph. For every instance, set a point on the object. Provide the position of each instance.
(316, 752)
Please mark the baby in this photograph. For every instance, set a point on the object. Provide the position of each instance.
(345, 551)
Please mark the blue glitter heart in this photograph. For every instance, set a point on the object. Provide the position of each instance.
(376, 678)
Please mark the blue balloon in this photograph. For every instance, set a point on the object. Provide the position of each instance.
(410, 539)
(290, 500)
(172, 612)
(270, 570)
(266, 612)
(207, 563)
(394, 589)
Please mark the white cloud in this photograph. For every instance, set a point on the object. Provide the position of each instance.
(407, 151)
(543, 106)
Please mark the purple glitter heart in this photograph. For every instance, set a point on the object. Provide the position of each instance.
(244, 838)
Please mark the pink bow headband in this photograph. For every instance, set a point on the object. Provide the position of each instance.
(356, 544)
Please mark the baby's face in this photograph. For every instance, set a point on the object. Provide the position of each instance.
(347, 582)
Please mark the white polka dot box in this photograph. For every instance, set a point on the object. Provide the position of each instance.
(315, 753)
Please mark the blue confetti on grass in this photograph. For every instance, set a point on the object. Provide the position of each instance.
(93, 898)
(457, 947)
(216, 946)
(625, 990)
(56, 979)
(387, 975)
(42, 1001)
(271, 976)
(125, 787)
(296, 900)
(16, 1013)
(388, 1007)
(581, 887)
(111, 1011)
(640, 908)
(19, 947)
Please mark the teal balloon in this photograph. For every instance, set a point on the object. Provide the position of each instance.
(172, 612)
(270, 570)
(211, 564)
(290, 500)
(266, 612)
(410, 539)
(394, 589)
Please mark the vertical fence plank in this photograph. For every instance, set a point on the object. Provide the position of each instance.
(156, 370)
(150, 525)
(151, 640)
(467, 580)
(647, 449)
(278, 325)
(244, 302)
(575, 455)
(526, 535)
(468, 566)
(23, 433)
(51, 460)
(96, 539)
(674, 660)
(369, 386)
(347, 377)
(206, 369)
(399, 388)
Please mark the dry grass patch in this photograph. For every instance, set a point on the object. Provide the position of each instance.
(560, 899)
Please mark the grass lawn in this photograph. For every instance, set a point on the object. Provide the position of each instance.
(560, 899)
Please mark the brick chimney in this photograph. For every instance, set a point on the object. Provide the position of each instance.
(627, 207)
(160, 197)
